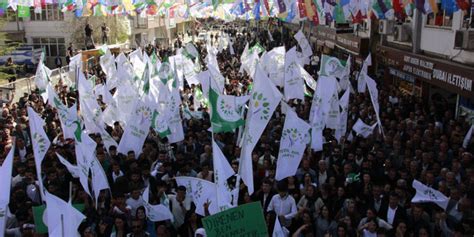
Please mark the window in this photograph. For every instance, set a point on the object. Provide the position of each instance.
(50, 12)
(53, 46)
(442, 18)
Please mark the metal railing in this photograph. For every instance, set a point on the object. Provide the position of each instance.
(17, 88)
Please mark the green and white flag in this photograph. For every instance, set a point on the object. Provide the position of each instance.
(256, 48)
(188, 114)
(294, 138)
(165, 73)
(85, 154)
(67, 116)
(42, 78)
(62, 218)
(199, 100)
(225, 111)
(264, 99)
(40, 217)
(190, 51)
(331, 66)
(159, 123)
(40, 143)
(146, 77)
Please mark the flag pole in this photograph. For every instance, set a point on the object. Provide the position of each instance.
(70, 191)
(62, 225)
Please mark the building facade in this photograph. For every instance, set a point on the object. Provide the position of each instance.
(431, 57)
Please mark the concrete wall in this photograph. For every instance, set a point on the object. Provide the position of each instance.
(440, 41)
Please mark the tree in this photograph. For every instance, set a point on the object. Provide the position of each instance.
(6, 47)
(119, 28)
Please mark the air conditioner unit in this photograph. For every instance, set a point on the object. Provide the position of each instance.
(400, 34)
(386, 27)
(464, 39)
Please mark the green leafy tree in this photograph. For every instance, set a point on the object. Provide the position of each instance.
(119, 28)
(6, 47)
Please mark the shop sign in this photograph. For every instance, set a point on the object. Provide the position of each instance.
(455, 78)
(401, 75)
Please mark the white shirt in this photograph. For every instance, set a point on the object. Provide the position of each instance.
(377, 204)
(391, 215)
(115, 176)
(265, 196)
(322, 178)
(22, 153)
(366, 233)
(285, 206)
(134, 205)
(177, 211)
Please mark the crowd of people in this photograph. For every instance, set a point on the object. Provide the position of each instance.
(421, 142)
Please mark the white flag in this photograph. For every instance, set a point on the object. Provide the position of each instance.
(5, 187)
(73, 169)
(62, 218)
(201, 191)
(222, 171)
(278, 230)
(294, 138)
(273, 62)
(321, 106)
(89, 107)
(126, 98)
(175, 124)
(307, 78)
(99, 179)
(250, 64)
(107, 63)
(468, 137)
(361, 82)
(294, 84)
(102, 90)
(342, 127)
(427, 194)
(304, 44)
(344, 80)
(135, 132)
(107, 139)
(263, 102)
(363, 129)
(374, 97)
(155, 213)
(40, 142)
